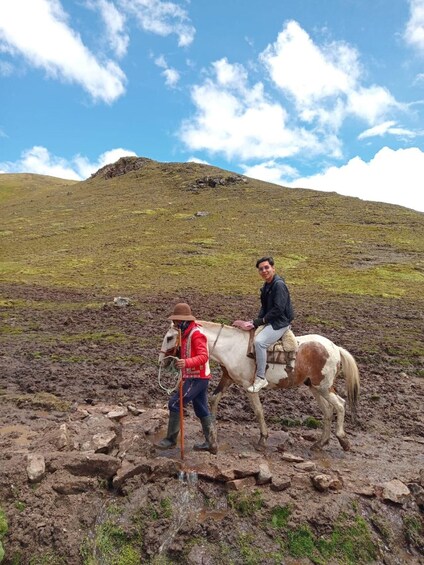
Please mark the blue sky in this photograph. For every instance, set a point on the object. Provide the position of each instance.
(322, 94)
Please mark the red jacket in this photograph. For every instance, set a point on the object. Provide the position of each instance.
(194, 349)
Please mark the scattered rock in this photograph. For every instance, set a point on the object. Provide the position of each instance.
(65, 483)
(104, 442)
(323, 482)
(264, 475)
(418, 493)
(292, 458)
(129, 470)
(280, 482)
(134, 411)
(121, 301)
(85, 464)
(36, 467)
(118, 413)
(63, 438)
(240, 484)
(305, 466)
(395, 491)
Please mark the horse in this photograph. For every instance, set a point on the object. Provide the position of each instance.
(318, 362)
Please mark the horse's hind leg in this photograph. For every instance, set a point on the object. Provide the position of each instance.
(339, 404)
(327, 411)
(256, 404)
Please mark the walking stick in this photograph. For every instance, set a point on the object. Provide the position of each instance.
(181, 404)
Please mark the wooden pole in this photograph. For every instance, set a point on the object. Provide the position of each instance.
(181, 404)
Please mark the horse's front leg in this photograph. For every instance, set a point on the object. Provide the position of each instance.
(223, 385)
(256, 404)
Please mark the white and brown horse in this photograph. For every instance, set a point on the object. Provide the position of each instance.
(318, 362)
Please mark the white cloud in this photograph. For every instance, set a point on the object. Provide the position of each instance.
(196, 160)
(39, 31)
(323, 81)
(238, 120)
(414, 32)
(40, 161)
(162, 18)
(172, 76)
(318, 88)
(114, 21)
(393, 176)
(270, 171)
(384, 128)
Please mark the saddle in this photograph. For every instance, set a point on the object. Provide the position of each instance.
(283, 352)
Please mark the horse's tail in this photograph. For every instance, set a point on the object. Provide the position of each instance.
(351, 372)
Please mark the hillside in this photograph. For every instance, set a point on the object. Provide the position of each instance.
(166, 222)
(80, 391)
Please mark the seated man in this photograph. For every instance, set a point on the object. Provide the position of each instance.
(276, 314)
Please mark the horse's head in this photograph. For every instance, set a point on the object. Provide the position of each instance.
(169, 345)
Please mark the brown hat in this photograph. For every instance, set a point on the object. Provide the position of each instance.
(182, 311)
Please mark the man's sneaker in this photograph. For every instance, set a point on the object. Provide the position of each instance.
(258, 384)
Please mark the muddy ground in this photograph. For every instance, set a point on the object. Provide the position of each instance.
(70, 360)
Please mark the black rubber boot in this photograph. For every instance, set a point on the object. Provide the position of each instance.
(173, 430)
(209, 444)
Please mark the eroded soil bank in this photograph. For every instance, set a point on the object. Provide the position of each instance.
(80, 390)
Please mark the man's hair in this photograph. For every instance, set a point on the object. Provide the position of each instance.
(263, 259)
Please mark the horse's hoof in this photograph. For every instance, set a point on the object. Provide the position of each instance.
(344, 443)
(317, 446)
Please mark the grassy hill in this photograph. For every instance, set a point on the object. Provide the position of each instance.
(176, 226)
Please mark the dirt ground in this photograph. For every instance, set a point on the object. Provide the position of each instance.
(66, 365)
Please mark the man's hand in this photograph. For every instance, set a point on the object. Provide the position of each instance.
(243, 325)
(180, 363)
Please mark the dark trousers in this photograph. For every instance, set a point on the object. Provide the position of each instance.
(195, 391)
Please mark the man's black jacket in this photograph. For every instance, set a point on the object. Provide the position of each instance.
(276, 307)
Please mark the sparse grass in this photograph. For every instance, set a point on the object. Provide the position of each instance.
(39, 400)
(311, 422)
(47, 558)
(246, 503)
(3, 531)
(349, 543)
(414, 531)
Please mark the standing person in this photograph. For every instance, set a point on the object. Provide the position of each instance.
(276, 314)
(195, 372)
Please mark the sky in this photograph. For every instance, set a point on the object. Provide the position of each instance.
(322, 94)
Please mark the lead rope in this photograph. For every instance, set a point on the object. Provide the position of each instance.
(173, 371)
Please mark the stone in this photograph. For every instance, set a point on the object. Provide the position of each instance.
(264, 475)
(121, 301)
(292, 458)
(118, 413)
(321, 482)
(36, 467)
(103, 442)
(129, 470)
(396, 491)
(163, 467)
(418, 493)
(240, 484)
(421, 479)
(65, 483)
(63, 438)
(365, 490)
(280, 483)
(87, 464)
(305, 466)
(134, 411)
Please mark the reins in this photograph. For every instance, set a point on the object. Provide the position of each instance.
(216, 340)
(172, 370)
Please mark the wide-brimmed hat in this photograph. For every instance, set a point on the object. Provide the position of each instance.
(182, 311)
